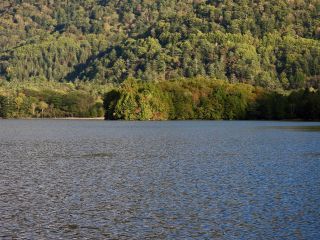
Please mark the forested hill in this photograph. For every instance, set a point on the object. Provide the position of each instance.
(269, 43)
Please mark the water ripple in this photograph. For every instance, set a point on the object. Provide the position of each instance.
(159, 180)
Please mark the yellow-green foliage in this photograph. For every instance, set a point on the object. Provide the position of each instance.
(207, 99)
(51, 99)
(140, 101)
(199, 98)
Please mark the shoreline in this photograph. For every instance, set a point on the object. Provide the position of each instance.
(177, 120)
(66, 118)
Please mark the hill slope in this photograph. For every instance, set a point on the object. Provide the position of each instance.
(273, 44)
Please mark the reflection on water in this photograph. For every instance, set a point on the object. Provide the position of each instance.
(298, 128)
(312, 155)
(159, 180)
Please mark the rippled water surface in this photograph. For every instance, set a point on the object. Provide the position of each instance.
(159, 180)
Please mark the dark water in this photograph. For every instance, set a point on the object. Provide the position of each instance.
(159, 180)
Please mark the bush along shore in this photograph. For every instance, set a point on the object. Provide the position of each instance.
(207, 99)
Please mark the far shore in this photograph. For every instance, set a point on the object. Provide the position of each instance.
(72, 118)
(164, 120)
(65, 118)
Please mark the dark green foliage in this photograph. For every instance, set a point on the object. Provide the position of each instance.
(268, 43)
(110, 100)
(210, 100)
(4, 107)
(52, 59)
(303, 104)
(271, 106)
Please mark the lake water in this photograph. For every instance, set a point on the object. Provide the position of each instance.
(159, 180)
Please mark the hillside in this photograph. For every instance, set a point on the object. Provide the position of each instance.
(268, 43)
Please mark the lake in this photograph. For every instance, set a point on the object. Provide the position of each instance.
(68, 179)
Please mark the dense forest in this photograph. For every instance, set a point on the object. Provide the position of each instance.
(208, 100)
(58, 58)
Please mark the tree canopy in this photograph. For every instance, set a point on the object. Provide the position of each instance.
(207, 99)
(268, 43)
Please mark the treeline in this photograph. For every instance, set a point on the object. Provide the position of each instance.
(50, 103)
(299, 105)
(183, 99)
(207, 99)
(268, 43)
